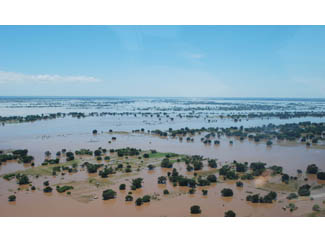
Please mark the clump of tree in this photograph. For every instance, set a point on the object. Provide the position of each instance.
(128, 198)
(108, 194)
(70, 156)
(256, 198)
(212, 178)
(146, 198)
(258, 168)
(292, 196)
(106, 171)
(63, 188)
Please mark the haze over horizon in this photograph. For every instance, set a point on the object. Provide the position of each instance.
(163, 61)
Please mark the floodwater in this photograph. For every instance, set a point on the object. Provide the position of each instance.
(74, 134)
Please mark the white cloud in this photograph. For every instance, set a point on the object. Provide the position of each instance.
(13, 77)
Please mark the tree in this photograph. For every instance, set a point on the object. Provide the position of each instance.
(227, 192)
(146, 155)
(128, 198)
(292, 196)
(162, 180)
(47, 189)
(212, 163)
(316, 208)
(46, 183)
(230, 213)
(95, 131)
(12, 198)
(108, 194)
(166, 163)
(146, 199)
(137, 183)
(285, 178)
(22, 179)
(212, 178)
(321, 175)
(151, 167)
(204, 192)
(122, 187)
(195, 209)
(312, 169)
(304, 190)
(239, 184)
(166, 192)
(139, 201)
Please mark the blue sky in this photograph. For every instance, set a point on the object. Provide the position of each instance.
(201, 61)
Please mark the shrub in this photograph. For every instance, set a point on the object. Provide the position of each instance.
(227, 192)
(230, 213)
(128, 198)
(145, 155)
(285, 178)
(204, 192)
(122, 187)
(108, 194)
(22, 179)
(212, 163)
(12, 198)
(151, 167)
(195, 209)
(46, 183)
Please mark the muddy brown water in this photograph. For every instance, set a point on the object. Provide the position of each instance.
(178, 203)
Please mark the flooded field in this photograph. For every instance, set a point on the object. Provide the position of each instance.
(132, 122)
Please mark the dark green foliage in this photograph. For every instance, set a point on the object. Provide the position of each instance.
(239, 184)
(151, 167)
(128, 198)
(146, 198)
(47, 189)
(162, 180)
(122, 187)
(292, 196)
(166, 163)
(276, 169)
(10, 176)
(227, 192)
(91, 168)
(146, 155)
(97, 152)
(22, 179)
(212, 178)
(70, 156)
(107, 158)
(46, 183)
(204, 192)
(240, 167)
(230, 213)
(304, 190)
(127, 152)
(33, 188)
(166, 192)
(258, 168)
(247, 176)
(12, 198)
(108, 194)
(139, 201)
(195, 209)
(312, 169)
(137, 183)
(212, 163)
(192, 191)
(266, 199)
(321, 175)
(285, 178)
(26, 159)
(63, 188)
